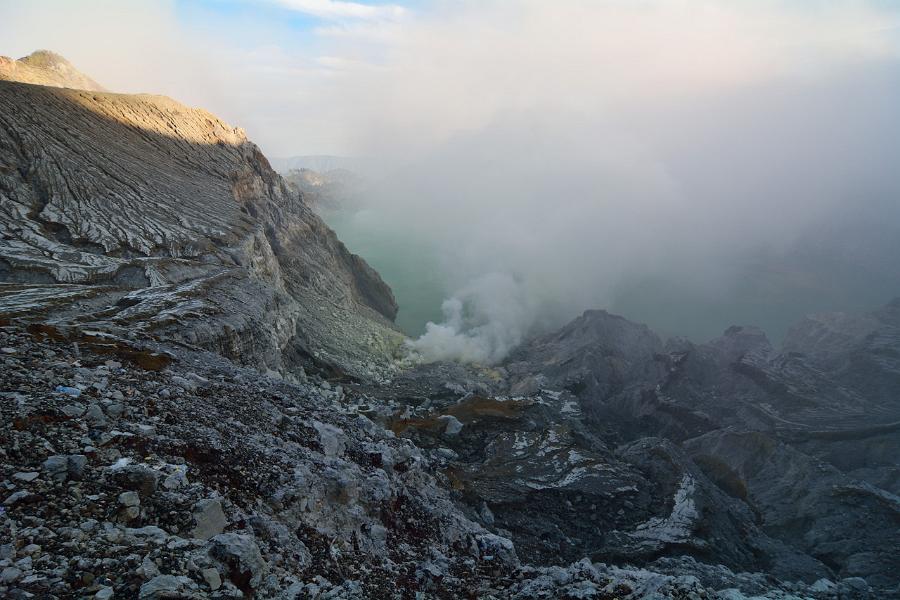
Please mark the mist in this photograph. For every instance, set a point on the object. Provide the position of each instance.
(687, 164)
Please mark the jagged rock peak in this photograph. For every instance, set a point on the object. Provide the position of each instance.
(43, 67)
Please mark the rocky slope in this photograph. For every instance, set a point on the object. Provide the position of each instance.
(138, 214)
(151, 471)
(603, 440)
(202, 395)
(730, 452)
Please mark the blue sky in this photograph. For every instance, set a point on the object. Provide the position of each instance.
(298, 28)
(206, 13)
(300, 16)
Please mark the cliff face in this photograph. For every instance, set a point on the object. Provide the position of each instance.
(141, 215)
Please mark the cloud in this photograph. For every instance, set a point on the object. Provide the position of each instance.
(457, 66)
(336, 9)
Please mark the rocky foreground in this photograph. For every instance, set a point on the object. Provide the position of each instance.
(141, 472)
(203, 395)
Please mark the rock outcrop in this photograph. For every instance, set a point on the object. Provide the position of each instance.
(138, 214)
(603, 440)
(794, 451)
(145, 470)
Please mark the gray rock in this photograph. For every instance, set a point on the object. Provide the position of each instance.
(146, 430)
(149, 533)
(73, 410)
(57, 467)
(139, 478)
(75, 466)
(10, 575)
(168, 587)
(197, 380)
(487, 517)
(105, 593)
(452, 425)
(822, 585)
(241, 557)
(183, 383)
(854, 585)
(129, 499)
(175, 480)
(89, 525)
(148, 568)
(26, 476)
(209, 519)
(331, 438)
(212, 578)
(95, 415)
(496, 548)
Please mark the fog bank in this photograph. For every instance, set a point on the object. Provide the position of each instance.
(643, 159)
(688, 164)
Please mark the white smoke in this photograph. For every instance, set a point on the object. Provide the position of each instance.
(482, 322)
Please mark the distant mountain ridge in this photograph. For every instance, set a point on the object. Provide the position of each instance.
(43, 67)
(321, 163)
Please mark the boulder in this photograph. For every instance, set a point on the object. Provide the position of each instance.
(241, 559)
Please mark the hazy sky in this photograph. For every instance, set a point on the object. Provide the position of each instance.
(326, 76)
(558, 155)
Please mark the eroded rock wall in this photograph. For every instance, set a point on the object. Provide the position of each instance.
(159, 219)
